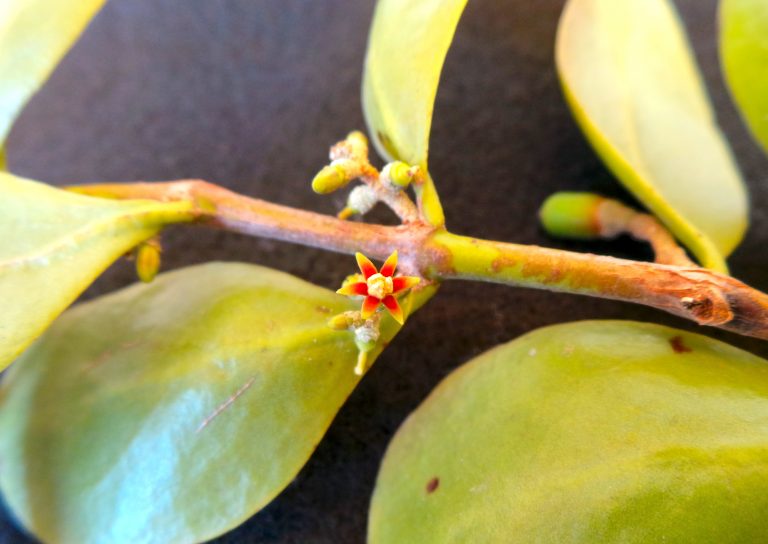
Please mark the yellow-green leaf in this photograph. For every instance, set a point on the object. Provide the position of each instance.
(173, 411)
(54, 244)
(632, 82)
(744, 55)
(596, 432)
(34, 36)
(408, 42)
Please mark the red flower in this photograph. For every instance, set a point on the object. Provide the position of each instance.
(379, 287)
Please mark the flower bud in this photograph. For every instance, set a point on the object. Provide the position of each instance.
(341, 322)
(358, 143)
(397, 174)
(334, 176)
(361, 199)
(148, 260)
(365, 340)
(367, 335)
(572, 215)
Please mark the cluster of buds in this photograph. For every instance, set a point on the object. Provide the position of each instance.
(349, 161)
(366, 332)
(378, 289)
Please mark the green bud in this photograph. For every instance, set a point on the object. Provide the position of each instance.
(399, 174)
(367, 335)
(572, 215)
(359, 143)
(332, 178)
(148, 260)
(341, 322)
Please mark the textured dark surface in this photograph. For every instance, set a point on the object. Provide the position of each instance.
(249, 94)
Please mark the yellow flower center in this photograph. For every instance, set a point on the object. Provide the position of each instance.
(379, 286)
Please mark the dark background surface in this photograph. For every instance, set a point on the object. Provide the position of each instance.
(250, 94)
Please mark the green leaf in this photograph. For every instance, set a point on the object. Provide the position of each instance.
(632, 82)
(406, 50)
(34, 36)
(602, 431)
(54, 244)
(744, 55)
(173, 411)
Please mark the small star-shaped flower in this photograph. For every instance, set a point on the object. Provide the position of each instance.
(379, 287)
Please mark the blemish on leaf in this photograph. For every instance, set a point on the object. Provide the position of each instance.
(678, 346)
(97, 362)
(104, 356)
(323, 309)
(226, 404)
(432, 485)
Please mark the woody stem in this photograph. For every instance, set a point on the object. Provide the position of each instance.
(704, 296)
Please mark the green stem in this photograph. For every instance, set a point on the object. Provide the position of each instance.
(704, 296)
(699, 294)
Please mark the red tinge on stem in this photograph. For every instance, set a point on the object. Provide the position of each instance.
(380, 287)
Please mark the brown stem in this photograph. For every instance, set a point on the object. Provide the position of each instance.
(219, 207)
(614, 218)
(704, 296)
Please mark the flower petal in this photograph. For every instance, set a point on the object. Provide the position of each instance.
(369, 306)
(388, 268)
(390, 303)
(352, 289)
(401, 283)
(366, 266)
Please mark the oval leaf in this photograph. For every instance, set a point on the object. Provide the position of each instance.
(588, 432)
(34, 36)
(744, 55)
(407, 46)
(633, 85)
(173, 411)
(55, 243)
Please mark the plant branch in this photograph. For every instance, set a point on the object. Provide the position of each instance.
(614, 218)
(221, 208)
(704, 296)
